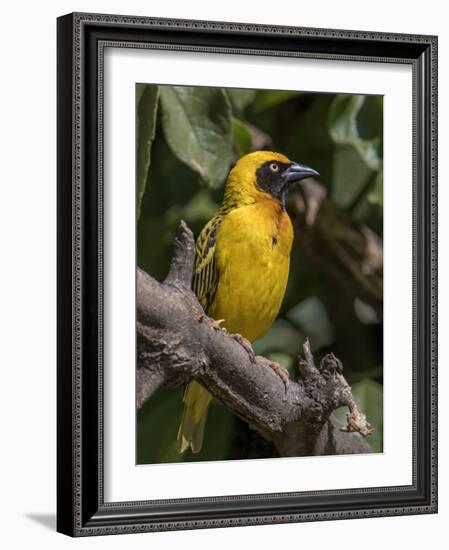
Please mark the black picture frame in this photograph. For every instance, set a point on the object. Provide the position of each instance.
(81, 509)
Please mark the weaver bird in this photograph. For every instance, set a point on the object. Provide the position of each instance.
(242, 264)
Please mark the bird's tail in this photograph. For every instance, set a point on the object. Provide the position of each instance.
(191, 429)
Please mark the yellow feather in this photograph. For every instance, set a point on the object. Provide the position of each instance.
(241, 272)
(191, 429)
(253, 259)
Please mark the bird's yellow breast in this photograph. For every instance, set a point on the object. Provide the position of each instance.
(253, 259)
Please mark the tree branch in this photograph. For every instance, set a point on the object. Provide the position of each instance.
(177, 342)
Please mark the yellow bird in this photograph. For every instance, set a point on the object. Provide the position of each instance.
(242, 263)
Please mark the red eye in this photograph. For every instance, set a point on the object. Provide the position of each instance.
(274, 167)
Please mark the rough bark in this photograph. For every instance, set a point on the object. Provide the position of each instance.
(177, 342)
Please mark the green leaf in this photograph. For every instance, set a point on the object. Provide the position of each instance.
(369, 397)
(267, 99)
(376, 195)
(351, 176)
(366, 314)
(140, 88)
(311, 316)
(146, 127)
(240, 99)
(370, 119)
(241, 136)
(200, 208)
(197, 126)
(282, 337)
(286, 361)
(158, 423)
(356, 158)
(342, 123)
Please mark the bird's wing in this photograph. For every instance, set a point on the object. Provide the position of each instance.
(205, 277)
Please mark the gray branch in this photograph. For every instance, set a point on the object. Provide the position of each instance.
(177, 342)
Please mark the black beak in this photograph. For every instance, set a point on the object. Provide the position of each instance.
(297, 172)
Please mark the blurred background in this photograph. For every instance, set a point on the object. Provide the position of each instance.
(187, 140)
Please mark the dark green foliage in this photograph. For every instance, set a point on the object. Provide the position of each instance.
(147, 98)
(158, 424)
(241, 137)
(197, 127)
(192, 136)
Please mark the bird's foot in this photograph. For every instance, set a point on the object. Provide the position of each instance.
(211, 323)
(246, 345)
(278, 370)
(215, 323)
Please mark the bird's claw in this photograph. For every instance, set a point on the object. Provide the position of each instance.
(279, 371)
(215, 323)
(211, 323)
(246, 345)
(275, 367)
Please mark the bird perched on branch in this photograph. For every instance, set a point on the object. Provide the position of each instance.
(242, 264)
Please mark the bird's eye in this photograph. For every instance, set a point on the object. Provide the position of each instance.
(274, 167)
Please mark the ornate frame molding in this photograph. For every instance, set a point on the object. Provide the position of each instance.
(81, 42)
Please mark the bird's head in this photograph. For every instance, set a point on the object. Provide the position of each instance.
(263, 173)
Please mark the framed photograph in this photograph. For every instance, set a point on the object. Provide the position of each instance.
(247, 274)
